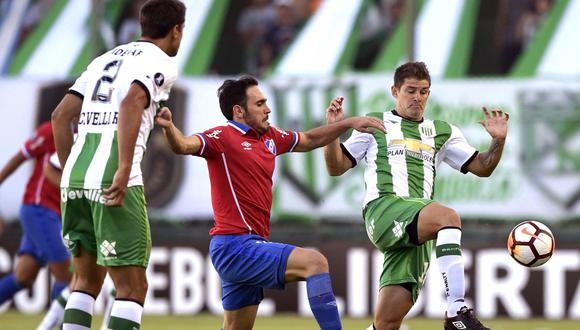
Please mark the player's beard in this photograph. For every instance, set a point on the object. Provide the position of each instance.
(260, 125)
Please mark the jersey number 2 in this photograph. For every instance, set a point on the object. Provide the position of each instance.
(103, 88)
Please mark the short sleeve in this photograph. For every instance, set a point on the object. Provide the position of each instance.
(284, 140)
(54, 161)
(79, 88)
(157, 79)
(211, 142)
(355, 148)
(456, 151)
(41, 142)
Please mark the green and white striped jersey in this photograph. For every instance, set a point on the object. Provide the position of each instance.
(94, 156)
(403, 161)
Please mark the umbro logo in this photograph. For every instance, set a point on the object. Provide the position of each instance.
(108, 248)
(458, 325)
(398, 229)
(247, 145)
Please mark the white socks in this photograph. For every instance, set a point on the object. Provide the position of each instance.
(78, 313)
(55, 314)
(448, 252)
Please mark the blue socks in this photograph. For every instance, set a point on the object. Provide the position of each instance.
(8, 287)
(322, 301)
(57, 287)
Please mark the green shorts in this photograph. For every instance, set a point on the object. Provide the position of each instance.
(386, 220)
(118, 236)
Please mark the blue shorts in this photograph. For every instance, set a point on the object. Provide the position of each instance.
(246, 265)
(41, 235)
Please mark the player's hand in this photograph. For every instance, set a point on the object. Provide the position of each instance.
(334, 111)
(115, 194)
(164, 118)
(366, 124)
(495, 122)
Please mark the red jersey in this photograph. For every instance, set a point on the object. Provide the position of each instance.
(38, 190)
(241, 164)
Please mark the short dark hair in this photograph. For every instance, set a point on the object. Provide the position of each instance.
(417, 70)
(158, 17)
(233, 92)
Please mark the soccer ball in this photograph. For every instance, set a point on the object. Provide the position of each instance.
(531, 243)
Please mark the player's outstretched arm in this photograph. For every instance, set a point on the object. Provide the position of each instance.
(13, 164)
(66, 111)
(180, 144)
(495, 123)
(323, 135)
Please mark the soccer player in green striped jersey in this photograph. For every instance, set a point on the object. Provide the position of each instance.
(105, 223)
(400, 216)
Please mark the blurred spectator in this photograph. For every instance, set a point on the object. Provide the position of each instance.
(517, 23)
(252, 27)
(531, 20)
(279, 35)
(128, 28)
(377, 24)
(303, 9)
(34, 14)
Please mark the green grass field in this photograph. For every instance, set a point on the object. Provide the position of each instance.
(17, 321)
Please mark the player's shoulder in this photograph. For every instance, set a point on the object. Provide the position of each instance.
(376, 114)
(275, 130)
(217, 131)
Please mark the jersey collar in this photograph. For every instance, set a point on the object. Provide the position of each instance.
(239, 127)
(394, 112)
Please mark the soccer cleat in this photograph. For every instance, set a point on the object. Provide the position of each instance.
(465, 320)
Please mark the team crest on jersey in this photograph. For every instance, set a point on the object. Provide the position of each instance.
(271, 146)
(159, 79)
(427, 129)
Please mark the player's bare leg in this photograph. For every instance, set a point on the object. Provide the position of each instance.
(393, 304)
(26, 270)
(131, 285)
(312, 266)
(79, 307)
(240, 319)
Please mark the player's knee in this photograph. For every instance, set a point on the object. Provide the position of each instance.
(26, 280)
(445, 217)
(451, 219)
(317, 263)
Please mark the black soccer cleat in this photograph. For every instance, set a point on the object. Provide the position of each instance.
(464, 320)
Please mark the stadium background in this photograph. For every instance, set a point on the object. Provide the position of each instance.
(521, 55)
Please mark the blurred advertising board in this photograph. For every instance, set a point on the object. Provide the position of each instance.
(182, 281)
(538, 176)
